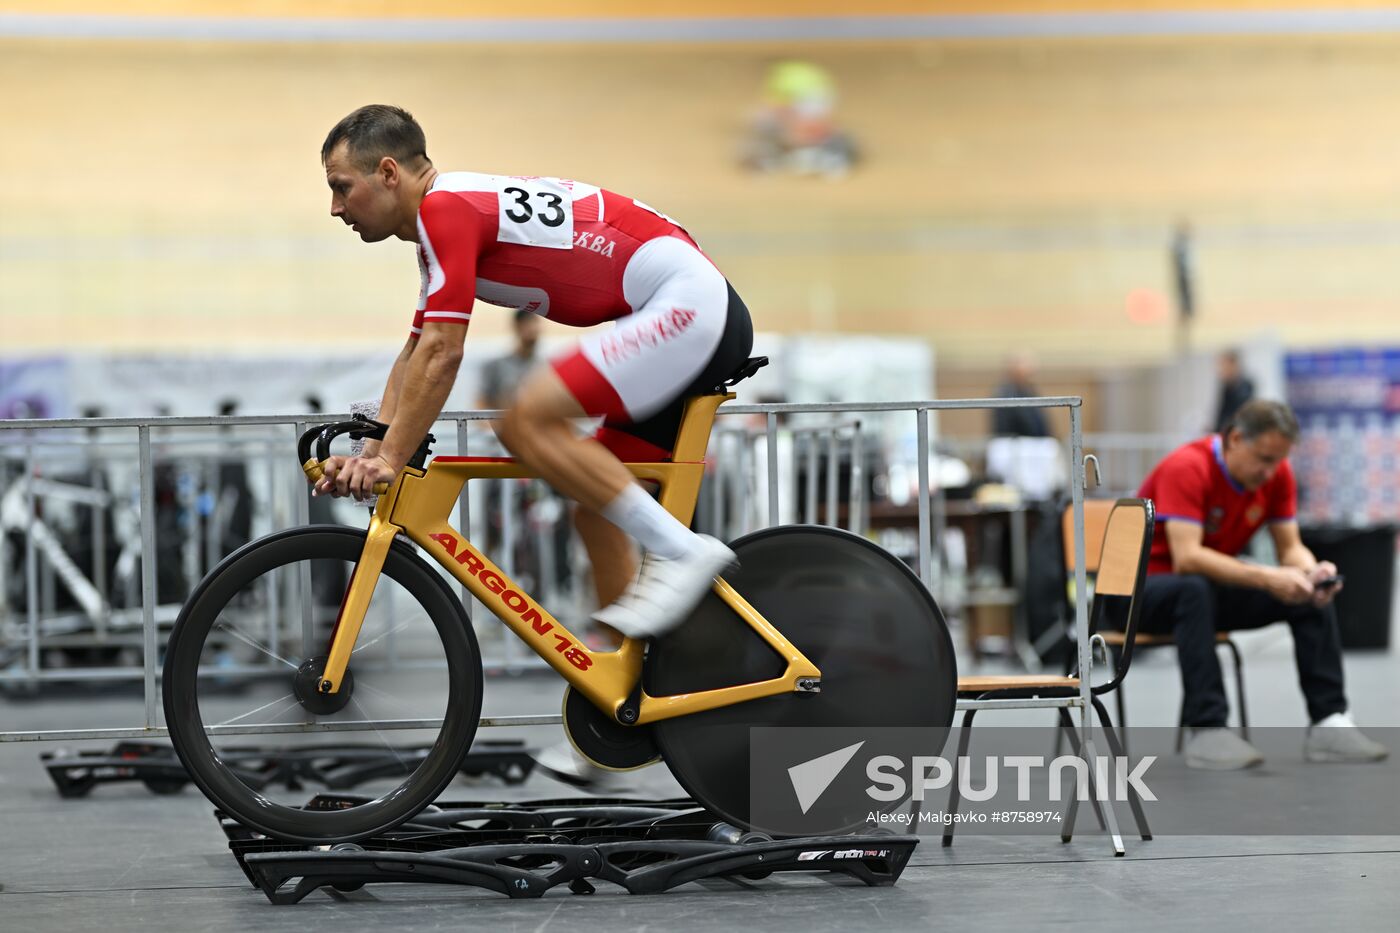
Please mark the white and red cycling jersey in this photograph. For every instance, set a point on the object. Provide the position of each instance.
(554, 247)
(580, 255)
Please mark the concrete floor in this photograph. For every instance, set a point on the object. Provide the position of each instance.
(123, 859)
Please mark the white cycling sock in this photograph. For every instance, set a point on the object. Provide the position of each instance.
(654, 528)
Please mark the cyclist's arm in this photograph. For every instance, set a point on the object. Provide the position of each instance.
(428, 372)
(449, 238)
(389, 402)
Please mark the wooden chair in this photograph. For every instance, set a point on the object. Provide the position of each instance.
(1123, 538)
(1096, 512)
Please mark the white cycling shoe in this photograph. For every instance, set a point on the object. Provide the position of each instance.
(667, 590)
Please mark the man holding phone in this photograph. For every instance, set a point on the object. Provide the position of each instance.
(1211, 496)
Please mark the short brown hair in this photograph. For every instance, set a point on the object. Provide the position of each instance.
(1259, 416)
(375, 131)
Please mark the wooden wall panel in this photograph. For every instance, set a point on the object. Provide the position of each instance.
(1015, 192)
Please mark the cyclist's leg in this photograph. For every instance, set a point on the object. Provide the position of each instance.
(539, 431)
(612, 555)
(687, 326)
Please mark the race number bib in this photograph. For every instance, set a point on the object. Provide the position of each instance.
(536, 212)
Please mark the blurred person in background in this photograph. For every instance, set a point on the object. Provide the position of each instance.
(502, 376)
(581, 256)
(1235, 388)
(1019, 382)
(1211, 496)
(500, 381)
(795, 129)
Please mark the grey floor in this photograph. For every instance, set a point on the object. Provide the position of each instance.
(123, 859)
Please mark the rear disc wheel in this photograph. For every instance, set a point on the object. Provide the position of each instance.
(855, 611)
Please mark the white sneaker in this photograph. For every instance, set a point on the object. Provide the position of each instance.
(1336, 738)
(564, 763)
(667, 591)
(1219, 749)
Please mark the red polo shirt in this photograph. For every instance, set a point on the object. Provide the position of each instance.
(1191, 484)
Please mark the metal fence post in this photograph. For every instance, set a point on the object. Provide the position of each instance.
(772, 431)
(925, 540)
(31, 567)
(148, 568)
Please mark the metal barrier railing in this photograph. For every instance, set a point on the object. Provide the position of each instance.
(814, 463)
(813, 443)
(1129, 457)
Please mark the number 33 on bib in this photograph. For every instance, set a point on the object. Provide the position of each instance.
(536, 212)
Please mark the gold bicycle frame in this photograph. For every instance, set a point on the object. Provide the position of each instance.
(418, 503)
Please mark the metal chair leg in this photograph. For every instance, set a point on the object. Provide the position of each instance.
(1121, 700)
(1072, 805)
(1120, 752)
(954, 797)
(1106, 809)
(1067, 832)
(1239, 686)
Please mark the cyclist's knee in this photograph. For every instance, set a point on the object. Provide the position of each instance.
(511, 431)
(529, 434)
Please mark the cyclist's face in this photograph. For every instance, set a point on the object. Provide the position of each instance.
(363, 202)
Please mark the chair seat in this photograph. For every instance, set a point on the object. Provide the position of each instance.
(1016, 682)
(1143, 638)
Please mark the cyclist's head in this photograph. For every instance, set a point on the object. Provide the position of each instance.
(368, 157)
(374, 132)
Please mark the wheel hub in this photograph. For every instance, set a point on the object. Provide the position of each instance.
(307, 687)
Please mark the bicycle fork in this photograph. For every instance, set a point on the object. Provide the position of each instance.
(356, 602)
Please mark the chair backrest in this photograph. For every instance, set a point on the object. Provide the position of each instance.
(1127, 541)
(1096, 512)
(1122, 567)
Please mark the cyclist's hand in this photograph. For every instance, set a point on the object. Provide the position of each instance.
(354, 476)
(1289, 584)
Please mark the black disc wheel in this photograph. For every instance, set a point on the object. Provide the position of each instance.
(242, 672)
(854, 610)
(602, 739)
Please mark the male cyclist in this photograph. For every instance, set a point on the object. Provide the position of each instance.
(579, 255)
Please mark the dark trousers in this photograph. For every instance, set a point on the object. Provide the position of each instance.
(1192, 609)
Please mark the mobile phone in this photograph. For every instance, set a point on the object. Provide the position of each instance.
(1327, 583)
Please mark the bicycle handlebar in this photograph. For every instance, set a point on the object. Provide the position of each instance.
(323, 434)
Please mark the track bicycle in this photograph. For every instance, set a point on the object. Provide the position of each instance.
(816, 627)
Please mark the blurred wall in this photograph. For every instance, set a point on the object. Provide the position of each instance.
(163, 194)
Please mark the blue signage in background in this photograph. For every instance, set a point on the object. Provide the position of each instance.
(1344, 382)
(35, 388)
(1348, 405)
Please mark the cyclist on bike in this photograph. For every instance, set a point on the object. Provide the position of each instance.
(579, 255)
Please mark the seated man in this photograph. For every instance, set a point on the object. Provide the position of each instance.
(1212, 495)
